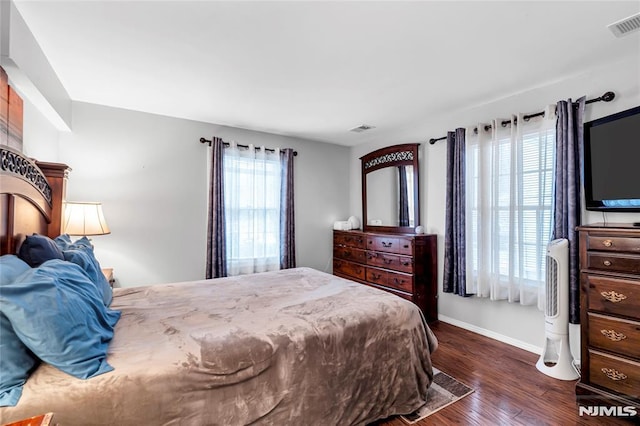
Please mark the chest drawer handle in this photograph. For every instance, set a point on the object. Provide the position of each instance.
(388, 261)
(386, 244)
(614, 374)
(607, 243)
(613, 335)
(612, 296)
(607, 263)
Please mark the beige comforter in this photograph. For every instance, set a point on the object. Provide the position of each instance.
(292, 347)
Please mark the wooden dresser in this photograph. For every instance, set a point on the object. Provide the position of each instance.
(610, 315)
(403, 264)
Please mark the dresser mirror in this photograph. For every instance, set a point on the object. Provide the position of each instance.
(390, 201)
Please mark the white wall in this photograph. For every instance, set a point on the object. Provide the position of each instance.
(150, 173)
(521, 325)
(40, 137)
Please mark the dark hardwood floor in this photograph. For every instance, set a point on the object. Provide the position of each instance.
(509, 390)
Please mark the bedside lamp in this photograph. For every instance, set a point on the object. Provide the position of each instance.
(84, 219)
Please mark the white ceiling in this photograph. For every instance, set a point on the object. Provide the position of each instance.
(316, 69)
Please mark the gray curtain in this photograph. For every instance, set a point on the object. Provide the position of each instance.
(403, 214)
(455, 235)
(287, 223)
(567, 198)
(216, 241)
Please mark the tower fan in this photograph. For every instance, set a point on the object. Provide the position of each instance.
(556, 359)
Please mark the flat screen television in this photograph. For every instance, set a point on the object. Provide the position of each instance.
(612, 162)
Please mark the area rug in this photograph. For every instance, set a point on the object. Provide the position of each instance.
(444, 391)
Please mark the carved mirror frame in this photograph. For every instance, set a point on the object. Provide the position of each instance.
(391, 156)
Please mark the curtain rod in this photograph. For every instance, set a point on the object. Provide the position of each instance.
(607, 97)
(203, 140)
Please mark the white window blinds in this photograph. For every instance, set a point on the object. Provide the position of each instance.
(509, 201)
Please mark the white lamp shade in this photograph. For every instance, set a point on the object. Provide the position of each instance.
(84, 219)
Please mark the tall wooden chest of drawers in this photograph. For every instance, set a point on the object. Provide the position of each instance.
(403, 264)
(610, 315)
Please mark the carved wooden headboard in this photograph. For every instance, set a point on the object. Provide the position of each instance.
(31, 198)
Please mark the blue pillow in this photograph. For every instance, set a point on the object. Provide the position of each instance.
(63, 241)
(16, 361)
(37, 249)
(61, 318)
(81, 253)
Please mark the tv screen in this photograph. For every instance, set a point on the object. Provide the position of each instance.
(612, 162)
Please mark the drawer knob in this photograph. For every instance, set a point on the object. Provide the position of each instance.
(607, 263)
(613, 335)
(607, 243)
(613, 374)
(612, 296)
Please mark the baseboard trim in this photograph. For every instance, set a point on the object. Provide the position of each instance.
(492, 334)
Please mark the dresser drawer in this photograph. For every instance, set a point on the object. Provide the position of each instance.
(390, 261)
(625, 263)
(402, 282)
(405, 246)
(348, 269)
(350, 253)
(376, 276)
(617, 244)
(405, 264)
(612, 295)
(380, 243)
(615, 373)
(614, 334)
(383, 260)
(349, 239)
(389, 244)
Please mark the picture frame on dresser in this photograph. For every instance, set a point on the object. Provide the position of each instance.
(609, 316)
(387, 253)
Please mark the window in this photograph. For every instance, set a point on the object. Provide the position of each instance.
(252, 210)
(509, 204)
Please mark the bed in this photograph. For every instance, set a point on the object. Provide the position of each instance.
(296, 346)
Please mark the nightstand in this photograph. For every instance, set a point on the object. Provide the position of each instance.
(108, 274)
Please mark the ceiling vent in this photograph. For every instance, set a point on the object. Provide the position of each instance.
(626, 26)
(362, 128)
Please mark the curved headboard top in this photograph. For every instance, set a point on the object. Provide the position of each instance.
(31, 198)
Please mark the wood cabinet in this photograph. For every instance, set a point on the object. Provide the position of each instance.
(11, 114)
(610, 315)
(403, 264)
